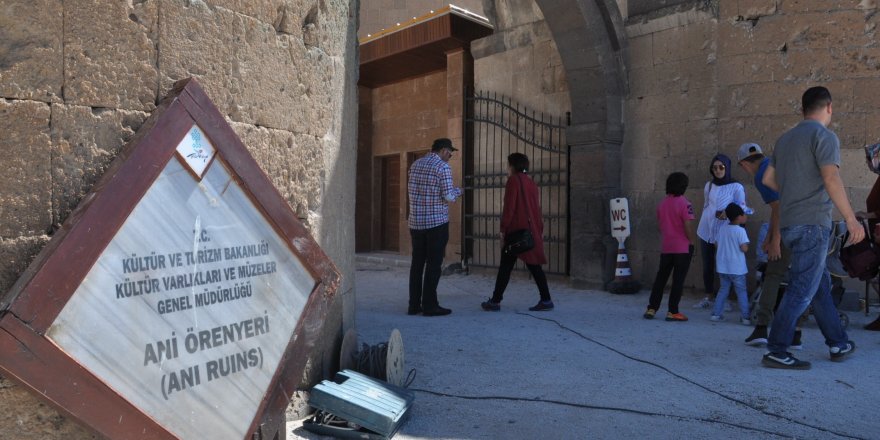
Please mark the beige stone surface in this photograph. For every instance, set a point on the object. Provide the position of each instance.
(85, 141)
(197, 41)
(23, 417)
(25, 191)
(111, 54)
(15, 255)
(31, 54)
(294, 163)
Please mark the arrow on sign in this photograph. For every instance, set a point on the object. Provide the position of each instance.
(619, 228)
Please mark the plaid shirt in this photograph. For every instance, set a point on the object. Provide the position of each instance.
(430, 189)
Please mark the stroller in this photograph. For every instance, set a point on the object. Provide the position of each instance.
(832, 261)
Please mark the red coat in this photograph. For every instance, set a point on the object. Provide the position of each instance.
(518, 211)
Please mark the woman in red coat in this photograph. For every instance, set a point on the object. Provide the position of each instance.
(521, 211)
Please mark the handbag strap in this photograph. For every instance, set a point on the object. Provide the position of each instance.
(525, 200)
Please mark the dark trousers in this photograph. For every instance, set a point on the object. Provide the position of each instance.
(504, 270)
(677, 265)
(708, 253)
(428, 248)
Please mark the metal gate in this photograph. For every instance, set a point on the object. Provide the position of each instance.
(494, 127)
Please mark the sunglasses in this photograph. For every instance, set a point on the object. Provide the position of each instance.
(718, 167)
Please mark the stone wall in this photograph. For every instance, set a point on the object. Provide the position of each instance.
(77, 79)
(705, 78)
(520, 59)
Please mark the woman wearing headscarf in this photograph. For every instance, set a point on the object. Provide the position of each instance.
(872, 205)
(720, 191)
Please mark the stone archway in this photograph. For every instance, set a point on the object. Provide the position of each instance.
(591, 40)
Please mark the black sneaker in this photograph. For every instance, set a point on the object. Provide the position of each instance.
(838, 353)
(542, 306)
(490, 306)
(437, 311)
(414, 310)
(785, 361)
(758, 336)
(796, 343)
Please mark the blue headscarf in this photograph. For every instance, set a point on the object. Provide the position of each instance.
(728, 176)
(870, 152)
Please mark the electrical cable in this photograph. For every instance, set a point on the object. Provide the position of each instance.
(373, 360)
(692, 382)
(602, 408)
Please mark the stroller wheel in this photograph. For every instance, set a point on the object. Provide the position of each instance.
(844, 320)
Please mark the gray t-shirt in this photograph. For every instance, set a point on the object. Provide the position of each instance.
(797, 157)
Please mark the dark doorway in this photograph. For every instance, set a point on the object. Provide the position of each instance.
(390, 218)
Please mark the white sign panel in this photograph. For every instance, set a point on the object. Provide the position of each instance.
(194, 300)
(619, 218)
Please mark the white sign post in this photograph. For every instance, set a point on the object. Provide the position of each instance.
(620, 219)
(620, 229)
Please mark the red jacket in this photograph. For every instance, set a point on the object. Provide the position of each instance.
(518, 211)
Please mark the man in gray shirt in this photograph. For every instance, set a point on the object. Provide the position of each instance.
(805, 169)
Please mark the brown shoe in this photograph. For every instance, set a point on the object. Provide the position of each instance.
(874, 326)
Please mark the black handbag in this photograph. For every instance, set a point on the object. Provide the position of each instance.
(521, 240)
(861, 260)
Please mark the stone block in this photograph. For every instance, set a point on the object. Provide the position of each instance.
(794, 6)
(817, 30)
(294, 162)
(267, 11)
(15, 256)
(25, 176)
(763, 130)
(686, 74)
(855, 173)
(765, 99)
(31, 54)
(641, 52)
(872, 128)
(84, 143)
(111, 54)
(850, 128)
(693, 41)
(853, 62)
(197, 41)
(23, 417)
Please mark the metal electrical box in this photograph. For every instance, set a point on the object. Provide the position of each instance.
(373, 404)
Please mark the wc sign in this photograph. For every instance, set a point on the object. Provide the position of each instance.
(620, 218)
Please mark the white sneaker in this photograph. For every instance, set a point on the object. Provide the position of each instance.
(716, 318)
(745, 321)
(703, 304)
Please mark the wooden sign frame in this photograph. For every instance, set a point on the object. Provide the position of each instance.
(27, 311)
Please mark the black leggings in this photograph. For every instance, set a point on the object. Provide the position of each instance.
(504, 270)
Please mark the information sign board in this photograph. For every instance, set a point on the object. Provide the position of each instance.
(192, 310)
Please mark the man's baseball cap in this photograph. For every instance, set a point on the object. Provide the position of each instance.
(746, 150)
(442, 143)
(733, 211)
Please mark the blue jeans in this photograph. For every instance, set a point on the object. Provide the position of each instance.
(809, 283)
(742, 295)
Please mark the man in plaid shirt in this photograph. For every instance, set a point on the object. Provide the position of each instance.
(430, 192)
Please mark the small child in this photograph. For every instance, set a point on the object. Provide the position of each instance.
(732, 242)
(675, 217)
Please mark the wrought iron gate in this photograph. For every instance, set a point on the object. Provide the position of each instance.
(494, 127)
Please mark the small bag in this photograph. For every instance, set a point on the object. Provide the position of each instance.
(518, 242)
(861, 260)
(521, 240)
